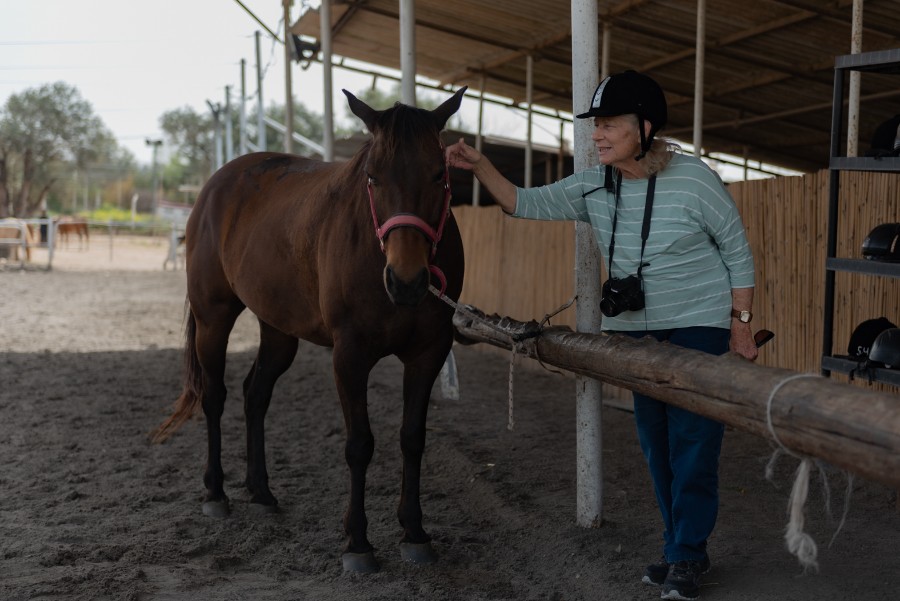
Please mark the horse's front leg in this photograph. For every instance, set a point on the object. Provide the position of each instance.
(351, 371)
(419, 375)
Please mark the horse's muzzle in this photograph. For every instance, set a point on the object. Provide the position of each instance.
(406, 293)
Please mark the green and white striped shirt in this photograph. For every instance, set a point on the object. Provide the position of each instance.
(696, 251)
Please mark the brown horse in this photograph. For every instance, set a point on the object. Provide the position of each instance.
(70, 225)
(339, 254)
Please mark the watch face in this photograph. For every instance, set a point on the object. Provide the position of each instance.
(745, 316)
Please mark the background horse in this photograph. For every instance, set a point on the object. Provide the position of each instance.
(70, 225)
(292, 239)
(14, 234)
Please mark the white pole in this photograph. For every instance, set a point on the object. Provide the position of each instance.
(328, 111)
(229, 133)
(408, 52)
(529, 97)
(589, 461)
(242, 149)
(479, 140)
(853, 95)
(260, 107)
(699, 66)
(288, 92)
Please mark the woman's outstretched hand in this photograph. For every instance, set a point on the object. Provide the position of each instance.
(462, 155)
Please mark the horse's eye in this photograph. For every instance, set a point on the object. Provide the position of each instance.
(372, 181)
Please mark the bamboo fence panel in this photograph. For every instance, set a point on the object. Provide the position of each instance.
(524, 269)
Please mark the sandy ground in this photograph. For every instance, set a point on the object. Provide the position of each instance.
(90, 361)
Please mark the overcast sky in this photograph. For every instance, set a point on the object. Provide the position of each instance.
(133, 60)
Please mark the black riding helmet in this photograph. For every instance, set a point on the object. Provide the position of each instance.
(886, 348)
(883, 243)
(628, 93)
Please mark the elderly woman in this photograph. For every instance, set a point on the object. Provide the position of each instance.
(680, 270)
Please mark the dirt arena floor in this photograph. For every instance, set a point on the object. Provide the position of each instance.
(90, 362)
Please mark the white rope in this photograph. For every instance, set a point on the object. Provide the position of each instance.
(799, 542)
(516, 346)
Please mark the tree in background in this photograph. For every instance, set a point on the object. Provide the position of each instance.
(48, 133)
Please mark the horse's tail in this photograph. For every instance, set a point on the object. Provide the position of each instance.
(192, 384)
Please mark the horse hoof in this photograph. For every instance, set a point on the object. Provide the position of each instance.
(360, 563)
(262, 509)
(215, 509)
(418, 553)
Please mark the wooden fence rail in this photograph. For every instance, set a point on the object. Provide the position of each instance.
(854, 429)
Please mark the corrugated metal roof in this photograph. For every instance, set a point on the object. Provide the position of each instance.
(769, 76)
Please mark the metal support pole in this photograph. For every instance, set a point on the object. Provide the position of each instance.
(229, 133)
(408, 52)
(587, 274)
(288, 92)
(529, 97)
(260, 106)
(479, 140)
(699, 67)
(154, 144)
(242, 148)
(328, 110)
(856, 34)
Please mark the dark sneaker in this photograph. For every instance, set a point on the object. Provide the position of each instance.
(655, 573)
(683, 580)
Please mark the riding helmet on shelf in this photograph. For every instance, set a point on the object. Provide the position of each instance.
(886, 349)
(629, 93)
(864, 336)
(883, 243)
(886, 140)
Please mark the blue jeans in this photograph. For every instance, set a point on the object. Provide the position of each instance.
(682, 451)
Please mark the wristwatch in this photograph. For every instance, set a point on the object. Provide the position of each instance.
(743, 316)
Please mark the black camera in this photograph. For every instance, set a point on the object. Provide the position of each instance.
(625, 294)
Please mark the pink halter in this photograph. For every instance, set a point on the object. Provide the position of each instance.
(414, 221)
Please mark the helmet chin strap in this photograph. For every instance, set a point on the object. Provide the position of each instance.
(645, 143)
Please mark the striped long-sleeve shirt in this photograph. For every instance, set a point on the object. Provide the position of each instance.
(696, 251)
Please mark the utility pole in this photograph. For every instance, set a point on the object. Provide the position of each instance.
(155, 144)
(289, 96)
(260, 107)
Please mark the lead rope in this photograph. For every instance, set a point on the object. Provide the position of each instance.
(516, 345)
(800, 543)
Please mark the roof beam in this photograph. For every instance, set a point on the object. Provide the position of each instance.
(505, 58)
(733, 38)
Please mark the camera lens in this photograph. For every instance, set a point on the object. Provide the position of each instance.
(608, 307)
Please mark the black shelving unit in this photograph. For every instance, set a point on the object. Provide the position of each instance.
(882, 61)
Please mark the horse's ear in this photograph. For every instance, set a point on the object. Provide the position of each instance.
(362, 110)
(443, 113)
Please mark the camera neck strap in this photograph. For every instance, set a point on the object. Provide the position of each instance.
(648, 209)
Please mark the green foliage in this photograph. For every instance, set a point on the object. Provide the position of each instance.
(46, 134)
(108, 214)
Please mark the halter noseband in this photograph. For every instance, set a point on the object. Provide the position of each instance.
(414, 221)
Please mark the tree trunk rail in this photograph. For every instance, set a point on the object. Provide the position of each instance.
(849, 427)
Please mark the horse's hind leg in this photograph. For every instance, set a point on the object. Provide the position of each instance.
(276, 353)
